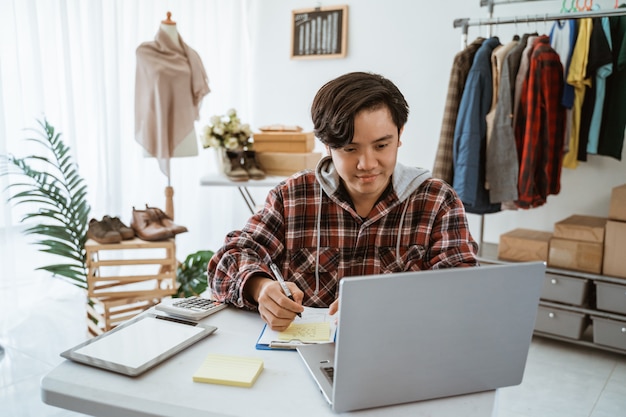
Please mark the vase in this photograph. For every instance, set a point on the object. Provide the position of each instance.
(220, 154)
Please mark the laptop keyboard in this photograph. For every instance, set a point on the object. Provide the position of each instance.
(329, 371)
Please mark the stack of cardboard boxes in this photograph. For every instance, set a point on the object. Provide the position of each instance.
(285, 152)
(580, 243)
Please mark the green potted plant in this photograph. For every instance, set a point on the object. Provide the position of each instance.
(191, 274)
(51, 185)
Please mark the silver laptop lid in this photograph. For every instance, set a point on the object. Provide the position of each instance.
(421, 335)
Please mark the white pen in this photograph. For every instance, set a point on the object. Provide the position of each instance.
(281, 281)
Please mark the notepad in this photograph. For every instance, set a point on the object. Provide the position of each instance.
(315, 326)
(239, 371)
(306, 332)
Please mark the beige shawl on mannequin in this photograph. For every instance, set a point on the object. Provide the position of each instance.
(170, 84)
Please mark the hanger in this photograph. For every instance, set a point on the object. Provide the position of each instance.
(584, 7)
(168, 20)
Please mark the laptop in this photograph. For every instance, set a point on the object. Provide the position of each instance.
(422, 335)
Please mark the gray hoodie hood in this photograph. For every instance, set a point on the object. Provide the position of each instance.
(405, 179)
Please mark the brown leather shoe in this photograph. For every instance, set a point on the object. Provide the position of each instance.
(233, 166)
(166, 220)
(252, 166)
(101, 232)
(117, 225)
(148, 227)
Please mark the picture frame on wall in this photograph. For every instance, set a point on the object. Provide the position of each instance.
(319, 32)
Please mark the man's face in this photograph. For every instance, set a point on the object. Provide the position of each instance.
(366, 164)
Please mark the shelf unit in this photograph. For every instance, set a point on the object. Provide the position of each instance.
(578, 307)
(127, 278)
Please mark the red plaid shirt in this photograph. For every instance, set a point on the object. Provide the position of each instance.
(540, 149)
(433, 233)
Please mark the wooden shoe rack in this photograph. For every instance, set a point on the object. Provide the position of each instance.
(127, 278)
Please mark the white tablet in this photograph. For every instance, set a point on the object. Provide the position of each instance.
(139, 344)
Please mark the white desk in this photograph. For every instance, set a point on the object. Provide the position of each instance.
(284, 388)
(219, 180)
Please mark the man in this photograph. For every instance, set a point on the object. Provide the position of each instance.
(358, 213)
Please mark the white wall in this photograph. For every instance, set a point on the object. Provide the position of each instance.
(413, 43)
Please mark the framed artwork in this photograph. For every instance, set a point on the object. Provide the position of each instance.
(319, 32)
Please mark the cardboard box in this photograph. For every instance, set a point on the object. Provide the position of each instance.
(617, 208)
(576, 255)
(296, 142)
(285, 163)
(615, 249)
(583, 228)
(524, 245)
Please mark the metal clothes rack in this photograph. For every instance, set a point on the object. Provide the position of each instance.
(465, 23)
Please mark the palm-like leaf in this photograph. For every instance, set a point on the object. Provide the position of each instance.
(58, 191)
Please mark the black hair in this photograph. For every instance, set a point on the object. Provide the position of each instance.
(338, 102)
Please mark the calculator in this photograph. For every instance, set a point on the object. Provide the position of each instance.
(194, 308)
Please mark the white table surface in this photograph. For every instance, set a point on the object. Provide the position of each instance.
(284, 388)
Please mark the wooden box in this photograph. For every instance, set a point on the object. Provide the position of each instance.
(294, 142)
(524, 245)
(131, 268)
(104, 314)
(285, 164)
(575, 255)
(617, 207)
(583, 228)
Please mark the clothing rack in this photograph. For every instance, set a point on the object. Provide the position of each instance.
(465, 23)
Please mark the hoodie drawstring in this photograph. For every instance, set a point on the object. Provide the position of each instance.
(398, 257)
(319, 240)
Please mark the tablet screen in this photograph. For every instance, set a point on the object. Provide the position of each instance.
(138, 344)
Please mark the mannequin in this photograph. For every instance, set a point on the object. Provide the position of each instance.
(170, 84)
(169, 26)
(189, 145)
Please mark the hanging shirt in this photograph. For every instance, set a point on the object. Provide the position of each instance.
(542, 143)
(563, 38)
(170, 84)
(470, 133)
(519, 115)
(599, 57)
(614, 117)
(600, 86)
(501, 166)
(578, 78)
(443, 167)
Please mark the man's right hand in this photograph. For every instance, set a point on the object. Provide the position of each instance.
(275, 308)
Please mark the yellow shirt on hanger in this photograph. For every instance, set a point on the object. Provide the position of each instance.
(577, 77)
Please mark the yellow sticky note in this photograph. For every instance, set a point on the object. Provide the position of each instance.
(229, 370)
(306, 332)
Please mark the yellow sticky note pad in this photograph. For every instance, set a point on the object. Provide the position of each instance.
(306, 332)
(229, 370)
